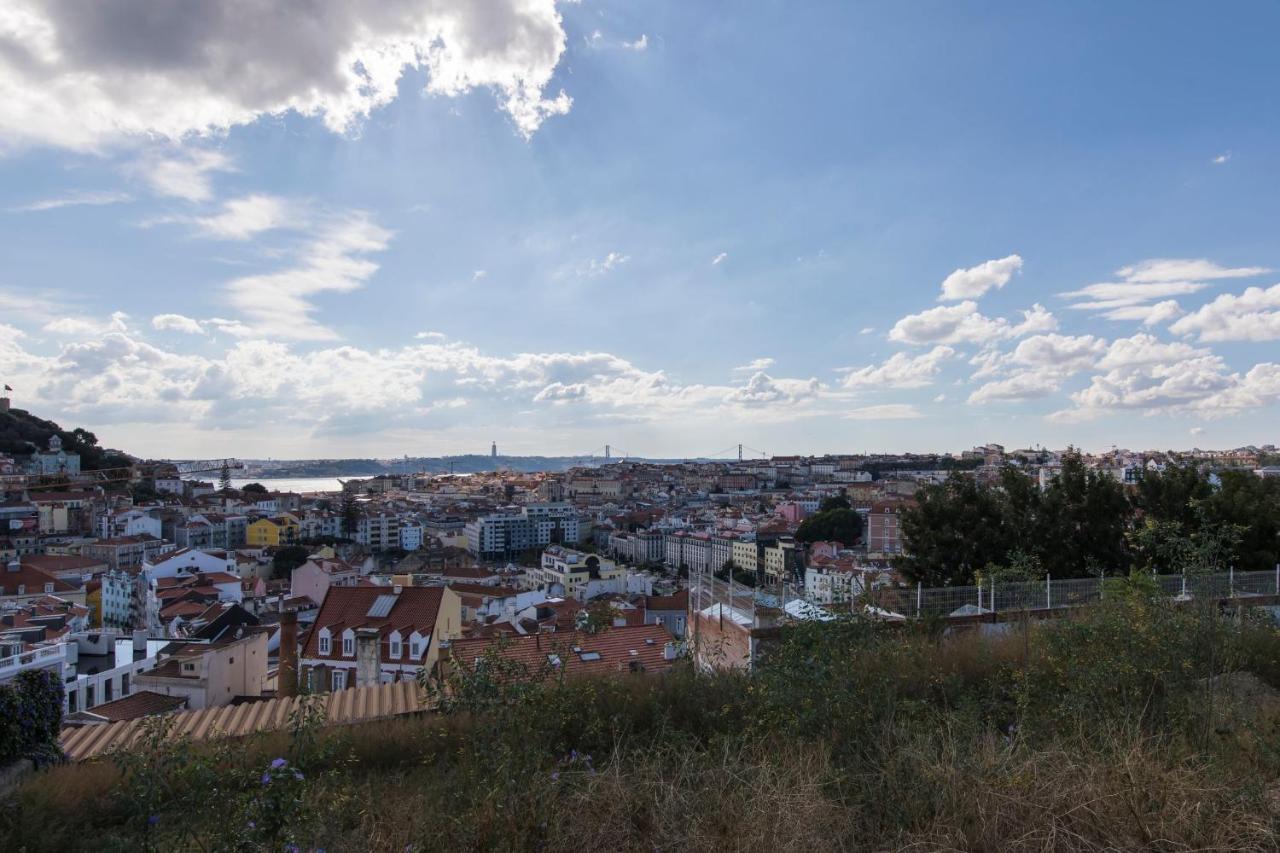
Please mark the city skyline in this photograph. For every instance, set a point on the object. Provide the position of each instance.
(423, 227)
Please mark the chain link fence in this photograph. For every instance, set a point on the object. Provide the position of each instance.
(1048, 594)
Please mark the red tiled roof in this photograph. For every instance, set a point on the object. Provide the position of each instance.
(415, 609)
(679, 601)
(144, 703)
(33, 581)
(615, 647)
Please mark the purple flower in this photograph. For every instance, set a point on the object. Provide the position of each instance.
(297, 775)
(266, 778)
(278, 763)
(153, 820)
(555, 777)
(252, 825)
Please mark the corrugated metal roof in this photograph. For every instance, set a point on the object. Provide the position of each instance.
(359, 704)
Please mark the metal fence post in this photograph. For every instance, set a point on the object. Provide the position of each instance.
(919, 597)
(1048, 592)
(993, 595)
(1102, 586)
(1277, 578)
(1231, 582)
(1184, 585)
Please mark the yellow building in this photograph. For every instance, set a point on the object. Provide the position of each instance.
(272, 532)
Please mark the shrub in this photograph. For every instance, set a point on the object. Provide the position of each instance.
(31, 716)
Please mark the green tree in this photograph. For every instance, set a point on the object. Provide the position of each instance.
(254, 489)
(840, 524)
(955, 528)
(840, 501)
(288, 558)
(1086, 515)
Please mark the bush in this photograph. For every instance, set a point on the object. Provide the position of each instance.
(31, 716)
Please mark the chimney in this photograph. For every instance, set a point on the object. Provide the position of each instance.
(287, 670)
(14, 565)
(670, 651)
(368, 664)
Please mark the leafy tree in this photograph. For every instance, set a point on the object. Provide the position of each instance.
(841, 524)
(288, 558)
(254, 489)
(350, 514)
(955, 528)
(835, 502)
(1170, 495)
(1086, 515)
(224, 478)
(1253, 504)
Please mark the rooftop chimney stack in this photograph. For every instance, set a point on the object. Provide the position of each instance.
(287, 670)
(368, 666)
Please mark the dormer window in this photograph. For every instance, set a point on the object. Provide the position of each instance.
(325, 646)
(48, 587)
(396, 647)
(348, 646)
(415, 649)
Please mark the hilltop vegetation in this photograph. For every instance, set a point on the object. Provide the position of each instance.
(1124, 728)
(22, 433)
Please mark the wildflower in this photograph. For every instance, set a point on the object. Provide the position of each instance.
(253, 825)
(555, 777)
(297, 775)
(153, 820)
(266, 778)
(278, 763)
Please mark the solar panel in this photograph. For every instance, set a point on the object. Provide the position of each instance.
(589, 656)
(382, 606)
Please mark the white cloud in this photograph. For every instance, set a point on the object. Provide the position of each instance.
(867, 330)
(76, 199)
(1022, 385)
(1221, 158)
(1040, 363)
(186, 174)
(605, 265)
(479, 274)
(82, 75)
(87, 326)
(1063, 353)
(1144, 282)
(884, 412)
(243, 218)
(177, 323)
(1143, 349)
(1184, 269)
(763, 389)
(756, 364)
(278, 304)
(431, 336)
(1109, 295)
(639, 44)
(1253, 315)
(973, 282)
(719, 259)
(901, 370)
(962, 323)
(1197, 430)
(1150, 315)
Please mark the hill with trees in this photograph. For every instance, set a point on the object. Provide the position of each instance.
(22, 433)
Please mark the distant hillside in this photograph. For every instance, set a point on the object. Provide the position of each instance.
(22, 433)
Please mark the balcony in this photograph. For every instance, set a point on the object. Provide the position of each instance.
(40, 658)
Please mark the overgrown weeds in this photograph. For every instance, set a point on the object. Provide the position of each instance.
(1096, 733)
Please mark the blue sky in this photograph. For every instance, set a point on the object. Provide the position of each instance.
(415, 227)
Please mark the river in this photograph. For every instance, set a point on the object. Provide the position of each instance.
(297, 484)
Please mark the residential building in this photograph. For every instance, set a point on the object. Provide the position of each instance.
(211, 674)
(377, 634)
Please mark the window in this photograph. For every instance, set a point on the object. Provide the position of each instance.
(348, 646)
(339, 679)
(415, 649)
(324, 644)
(124, 684)
(107, 690)
(88, 696)
(48, 587)
(395, 649)
(71, 702)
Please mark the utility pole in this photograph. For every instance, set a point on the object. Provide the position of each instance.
(739, 452)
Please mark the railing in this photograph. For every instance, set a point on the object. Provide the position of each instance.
(995, 597)
(38, 657)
